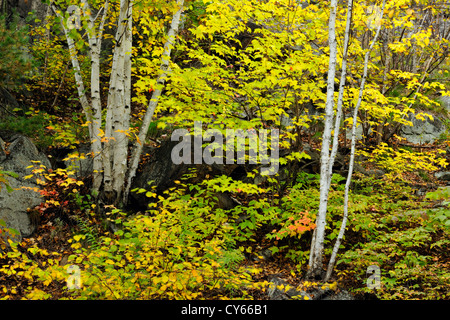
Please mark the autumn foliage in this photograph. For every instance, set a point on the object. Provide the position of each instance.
(242, 65)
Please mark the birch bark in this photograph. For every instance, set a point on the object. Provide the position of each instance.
(164, 68)
(115, 147)
(95, 41)
(77, 70)
(352, 153)
(121, 111)
(316, 253)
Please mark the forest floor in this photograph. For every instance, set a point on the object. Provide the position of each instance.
(405, 235)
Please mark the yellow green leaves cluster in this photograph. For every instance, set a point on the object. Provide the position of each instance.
(407, 244)
(30, 267)
(180, 249)
(257, 73)
(401, 161)
(54, 74)
(149, 260)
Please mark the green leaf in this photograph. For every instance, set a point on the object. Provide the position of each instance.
(13, 231)
(13, 254)
(119, 233)
(274, 250)
(10, 173)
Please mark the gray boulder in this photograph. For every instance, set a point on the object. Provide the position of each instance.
(20, 152)
(443, 175)
(277, 290)
(161, 171)
(423, 131)
(445, 101)
(17, 157)
(340, 295)
(14, 205)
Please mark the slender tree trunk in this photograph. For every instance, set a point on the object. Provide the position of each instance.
(95, 41)
(121, 111)
(342, 82)
(316, 254)
(92, 109)
(137, 150)
(77, 71)
(115, 148)
(352, 154)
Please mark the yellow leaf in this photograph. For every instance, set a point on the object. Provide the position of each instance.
(138, 140)
(101, 134)
(172, 277)
(333, 286)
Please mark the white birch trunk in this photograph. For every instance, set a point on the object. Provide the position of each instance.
(316, 254)
(77, 71)
(137, 150)
(352, 154)
(91, 109)
(342, 82)
(95, 40)
(122, 110)
(114, 154)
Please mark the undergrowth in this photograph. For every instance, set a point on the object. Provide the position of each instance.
(186, 247)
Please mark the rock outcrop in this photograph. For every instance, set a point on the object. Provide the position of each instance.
(16, 155)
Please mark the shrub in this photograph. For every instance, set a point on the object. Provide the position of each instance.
(180, 249)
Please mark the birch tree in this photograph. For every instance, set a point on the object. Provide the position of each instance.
(353, 144)
(327, 157)
(92, 109)
(317, 244)
(164, 69)
(112, 174)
